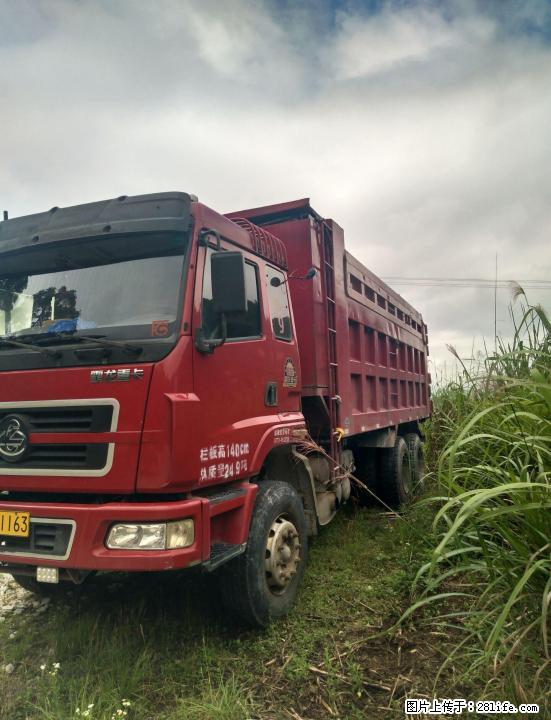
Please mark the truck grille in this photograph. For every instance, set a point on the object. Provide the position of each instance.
(62, 457)
(64, 419)
(50, 539)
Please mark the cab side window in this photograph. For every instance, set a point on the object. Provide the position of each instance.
(279, 305)
(240, 325)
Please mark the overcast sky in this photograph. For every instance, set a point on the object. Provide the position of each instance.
(423, 128)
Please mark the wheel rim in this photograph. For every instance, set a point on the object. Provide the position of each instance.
(282, 555)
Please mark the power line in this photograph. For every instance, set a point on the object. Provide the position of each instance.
(460, 283)
(463, 279)
(455, 285)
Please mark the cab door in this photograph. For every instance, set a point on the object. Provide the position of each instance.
(230, 382)
(284, 353)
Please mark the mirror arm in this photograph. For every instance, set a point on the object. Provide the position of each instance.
(276, 282)
(207, 347)
(224, 324)
(205, 234)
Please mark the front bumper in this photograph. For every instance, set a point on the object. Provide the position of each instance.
(85, 528)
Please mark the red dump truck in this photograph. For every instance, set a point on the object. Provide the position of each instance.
(183, 388)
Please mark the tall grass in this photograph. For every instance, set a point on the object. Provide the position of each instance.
(491, 559)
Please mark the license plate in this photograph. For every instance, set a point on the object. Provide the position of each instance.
(14, 523)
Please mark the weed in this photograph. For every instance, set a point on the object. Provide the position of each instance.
(491, 556)
(218, 698)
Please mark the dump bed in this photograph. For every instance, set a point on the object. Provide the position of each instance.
(363, 348)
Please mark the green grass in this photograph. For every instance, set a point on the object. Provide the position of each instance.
(160, 642)
(490, 441)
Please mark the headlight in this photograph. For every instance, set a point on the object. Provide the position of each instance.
(151, 536)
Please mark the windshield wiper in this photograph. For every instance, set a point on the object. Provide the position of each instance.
(32, 340)
(121, 344)
(98, 339)
(54, 354)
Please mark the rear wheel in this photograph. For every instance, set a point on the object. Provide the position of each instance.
(262, 583)
(395, 474)
(417, 458)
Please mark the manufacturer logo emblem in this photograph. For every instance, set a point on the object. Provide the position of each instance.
(122, 375)
(14, 439)
(289, 374)
(159, 328)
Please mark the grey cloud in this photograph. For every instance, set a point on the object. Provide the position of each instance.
(422, 129)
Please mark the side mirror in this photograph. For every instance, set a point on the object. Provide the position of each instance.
(229, 295)
(228, 282)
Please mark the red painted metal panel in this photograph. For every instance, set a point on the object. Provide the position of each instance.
(71, 384)
(92, 524)
(226, 521)
(382, 344)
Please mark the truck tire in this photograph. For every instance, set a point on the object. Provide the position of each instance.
(262, 583)
(417, 458)
(395, 482)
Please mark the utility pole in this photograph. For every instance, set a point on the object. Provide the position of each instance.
(495, 311)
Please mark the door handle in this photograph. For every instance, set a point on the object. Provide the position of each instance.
(270, 396)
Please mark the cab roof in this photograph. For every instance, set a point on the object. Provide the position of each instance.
(137, 213)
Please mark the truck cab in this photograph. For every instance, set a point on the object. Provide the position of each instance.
(152, 409)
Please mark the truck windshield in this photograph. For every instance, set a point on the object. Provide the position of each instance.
(123, 287)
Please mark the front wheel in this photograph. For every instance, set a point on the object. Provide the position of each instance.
(262, 583)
